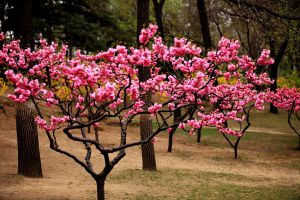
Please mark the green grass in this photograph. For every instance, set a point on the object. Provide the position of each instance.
(190, 184)
(257, 149)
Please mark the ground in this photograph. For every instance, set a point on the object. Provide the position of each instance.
(268, 166)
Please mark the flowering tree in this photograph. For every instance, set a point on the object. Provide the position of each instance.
(233, 97)
(287, 99)
(88, 89)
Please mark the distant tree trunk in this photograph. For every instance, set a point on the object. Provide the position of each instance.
(177, 116)
(199, 134)
(2, 14)
(29, 162)
(148, 155)
(204, 25)
(158, 9)
(274, 67)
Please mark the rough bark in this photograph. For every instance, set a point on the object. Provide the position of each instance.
(148, 155)
(204, 25)
(29, 162)
(158, 10)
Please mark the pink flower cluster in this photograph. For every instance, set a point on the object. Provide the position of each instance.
(54, 122)
(285, 98)
(265, 58)
(147, 34)
(107, 83)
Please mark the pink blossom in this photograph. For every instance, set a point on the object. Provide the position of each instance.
(153, 109)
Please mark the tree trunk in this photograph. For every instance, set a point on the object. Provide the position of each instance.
(199, 134)
(274, 67)
(29, 162)
(170, 143)
(204, 25)
(23, 28)
(235, 152)
(299, 142)
(171, 134)
(177, 116)
(148, 154)
(142, 16)
(235, 147)
(100, 189)
(158, 9)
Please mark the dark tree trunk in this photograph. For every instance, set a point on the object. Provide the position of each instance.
(158, 9)
(29, 162)
(204, 25)
(2, 19)
(148, 154)
(235, 152)
(274, 67)
(199, 134)
(235, 147)
(299, 142)
(170, 143)
(100, 189)
(177, 116)
(23, 29)
(2, 14)
(142, 16)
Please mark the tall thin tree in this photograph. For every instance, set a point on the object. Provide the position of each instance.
(148, 154)
(158, 11)
(29, 161)
(274, 68)
(204, 25)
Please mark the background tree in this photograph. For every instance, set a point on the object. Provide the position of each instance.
(204, 25)
(158, 11)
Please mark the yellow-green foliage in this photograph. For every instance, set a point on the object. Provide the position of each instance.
(3, 86)
(231, 81)
(289, 79)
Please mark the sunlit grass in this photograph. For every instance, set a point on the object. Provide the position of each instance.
(190, 184)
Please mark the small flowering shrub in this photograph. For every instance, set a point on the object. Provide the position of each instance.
(287, 99)
(90, 88)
